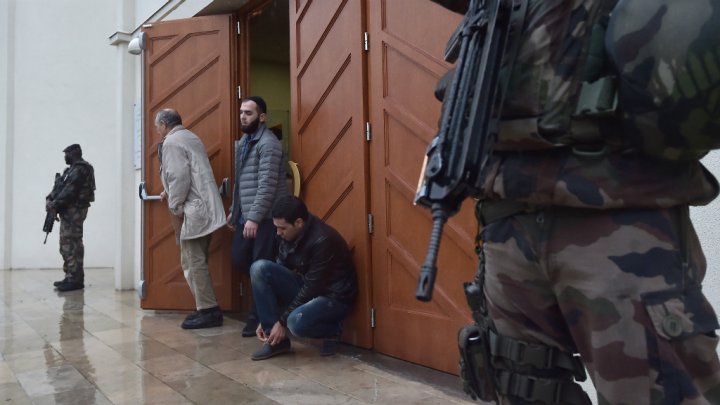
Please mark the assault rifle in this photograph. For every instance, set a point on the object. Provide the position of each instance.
(50, 219)
(458, 155)
(51, 216)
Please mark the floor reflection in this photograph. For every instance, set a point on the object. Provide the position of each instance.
(96, 346)
(71, 387)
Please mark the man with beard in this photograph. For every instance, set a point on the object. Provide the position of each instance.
(259, 182)
(70, 197)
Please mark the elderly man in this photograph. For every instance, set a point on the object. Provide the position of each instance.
(196, 211)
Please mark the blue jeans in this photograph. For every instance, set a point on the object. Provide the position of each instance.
(275, 287)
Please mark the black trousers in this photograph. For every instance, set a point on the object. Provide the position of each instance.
(246, 251)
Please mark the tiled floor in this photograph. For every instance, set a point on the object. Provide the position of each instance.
(98, 347)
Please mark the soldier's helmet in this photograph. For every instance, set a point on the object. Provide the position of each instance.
(667, 56)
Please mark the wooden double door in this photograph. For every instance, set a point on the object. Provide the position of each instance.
(362, 79)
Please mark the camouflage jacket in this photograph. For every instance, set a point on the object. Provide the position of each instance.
(75, 187)
(547, 155)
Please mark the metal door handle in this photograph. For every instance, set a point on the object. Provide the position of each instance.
(223, 187)
(142, 193)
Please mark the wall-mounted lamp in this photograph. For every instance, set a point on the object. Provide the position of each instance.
(137, 44)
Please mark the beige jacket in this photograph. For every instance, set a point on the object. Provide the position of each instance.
(189, 183)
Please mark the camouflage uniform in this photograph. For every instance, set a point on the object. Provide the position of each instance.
(71, 196)
(596, 253)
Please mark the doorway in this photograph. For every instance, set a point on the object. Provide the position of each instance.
(268, 54)
(348, 85)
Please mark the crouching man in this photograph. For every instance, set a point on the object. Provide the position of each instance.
(310, 289)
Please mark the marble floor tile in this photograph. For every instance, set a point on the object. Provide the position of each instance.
(35, 360)
(306, 392)
(145, 349)
(174, 368)
(13, 393)
(117, 336)
(89, 396)
(137, 386)
(52, 380)
(6, 374)
(209, 353)
(256, 374)
(215, 388)
(97, 346)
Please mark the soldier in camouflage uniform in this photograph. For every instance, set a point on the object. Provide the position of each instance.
(71, 196)
(587, 243)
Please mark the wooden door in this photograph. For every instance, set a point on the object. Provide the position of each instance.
(188, 66)
(327, 77)
(407, 40)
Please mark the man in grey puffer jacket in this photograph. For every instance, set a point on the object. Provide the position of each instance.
(259, 182)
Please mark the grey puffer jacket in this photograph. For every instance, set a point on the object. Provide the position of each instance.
(260, 179)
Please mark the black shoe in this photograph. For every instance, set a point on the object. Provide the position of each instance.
(329, 346)
(57, 283)
(192, 316)
(207, 318)
(69, 285)
(268, 351)
(250, 327)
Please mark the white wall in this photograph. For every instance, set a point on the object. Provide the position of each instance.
(6, 122)
(62, 74)
(61, 83)
(707, 224)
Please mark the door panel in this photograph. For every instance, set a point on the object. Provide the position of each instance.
(328, 120)
(405, 62)
(187, 66)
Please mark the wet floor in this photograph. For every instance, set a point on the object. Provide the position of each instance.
(98, 347)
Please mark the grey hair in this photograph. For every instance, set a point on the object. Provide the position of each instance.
(169, 117)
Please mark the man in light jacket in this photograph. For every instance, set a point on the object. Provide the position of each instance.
(259, 182)
(196, 211)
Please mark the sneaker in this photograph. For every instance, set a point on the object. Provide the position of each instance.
(250, 327)
(267, 351)
(329, 346)
(207, 318)
(68, 285)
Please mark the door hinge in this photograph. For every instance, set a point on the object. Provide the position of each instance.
(238, 28)
(366, 41)
(239, 91)
(370, 224)
(368, 134)
(372, 317)
(242, 292)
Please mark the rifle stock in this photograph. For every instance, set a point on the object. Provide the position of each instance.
(458, 155)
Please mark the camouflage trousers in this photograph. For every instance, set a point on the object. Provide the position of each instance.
(72, 249)
(612, 286)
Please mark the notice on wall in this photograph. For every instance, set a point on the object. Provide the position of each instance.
(137, 135)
